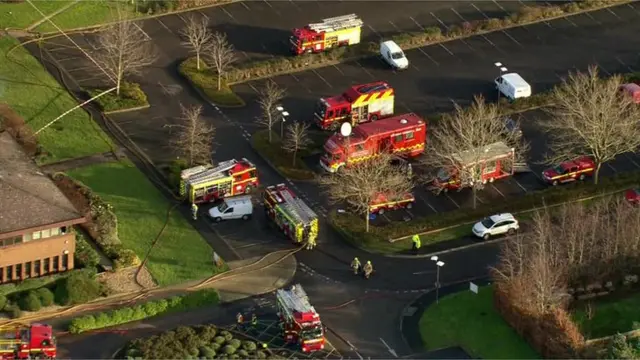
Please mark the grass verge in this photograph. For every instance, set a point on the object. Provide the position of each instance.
(470, 321)
(34, 94)
(206, 81)
(280, 159)
(610, 316)
(131, 97)
(181, 254)
(190, 301)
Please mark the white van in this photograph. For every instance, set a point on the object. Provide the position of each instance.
(239, 207)
(513, 86)
(393, 55)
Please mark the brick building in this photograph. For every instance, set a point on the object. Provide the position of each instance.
(36, 218)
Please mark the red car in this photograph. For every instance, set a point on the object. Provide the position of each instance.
(633, 196)
(569, 171)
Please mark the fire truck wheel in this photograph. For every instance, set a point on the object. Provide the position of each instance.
(582, 177)
(381, 212)
(554, 183)
(374, 117)
(218, 219)
(248, 190)
(492, 180)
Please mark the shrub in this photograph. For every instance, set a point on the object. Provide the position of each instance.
(249, 345)
(30, 302)
(85, 256)
(13, 310)
(235, 343)
(261, 354)
(206, 333)
(174, 170)
(125, 258)
(207, 352)
(46, 296)
(106, 222)
(82, 323)
(228, 349)
(243, 354)
(227, 335)
(131, 96)
(78, 288)
(217, 343)
(219, 339)
(3, 302)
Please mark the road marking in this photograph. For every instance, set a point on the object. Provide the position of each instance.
(492, 44)
(611, 167)
(253, 88)
(245, 5)
(427, 203)
(634, 9)
(391, 351)
(454, 203)
(405, 105)
(496, 189)
(181, 18)
(500, 6)
(447, 50)
(374, 31)
(144, 33)
(592, 18)
(266, 2)
(163, 25)
(440, 21)
(512, 38)
(632, 161)
(624, 64)
(354, 349)
(415, 22)
(423, 272)
(394, 25)
(570, 22)
(295, 5)
(251, 245)
(428, 56)
(337, 68)
(204, 16)
(601, 67)
(322, 78)
(365, 70)
(614, 14)
(522, 187)
(228, 13)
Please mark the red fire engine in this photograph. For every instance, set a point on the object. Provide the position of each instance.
(360, 103)
(332, 32)
(300, 321)
(402, 135)
(488, 164)
(202, 184)
(568, 171)
(383, 203)
(27, 342)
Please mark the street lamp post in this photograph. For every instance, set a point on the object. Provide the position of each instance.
(439, 264)
(502, 71)
(284, 115)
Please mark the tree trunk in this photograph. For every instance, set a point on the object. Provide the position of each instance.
(198, 60)
(596, 174)
(118, 86)
(475, 197)
(366, 227)
(270, 134)
(294, 158)
(219, 81)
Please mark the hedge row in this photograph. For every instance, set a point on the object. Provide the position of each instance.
(131, 96)
(354, 227)
(86, 255)
(431, 35)
(143, 311)
(103, 223)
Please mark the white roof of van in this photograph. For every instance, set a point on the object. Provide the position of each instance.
(516, 80)
(393, 47)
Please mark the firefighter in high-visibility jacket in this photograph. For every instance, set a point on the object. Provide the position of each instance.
(194, 211)
(368, 269)
(240, 320)
(355, 265)
(416, 243)
(311, 243)
(254, 320)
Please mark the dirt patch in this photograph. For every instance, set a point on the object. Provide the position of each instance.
(14, 124)
(75, 193)
(124, 281)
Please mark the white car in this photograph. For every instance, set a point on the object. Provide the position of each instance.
(498, 224)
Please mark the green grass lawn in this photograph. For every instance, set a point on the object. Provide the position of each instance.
(34, 94)
(279, 158)
(610, 316)
(181, 254)
(470, 320)
(21, 15)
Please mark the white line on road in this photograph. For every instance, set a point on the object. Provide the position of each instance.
(500, 6)
(374, 31)
(614, 14)
(163, 25)
(632, 161)
(454, 203)
(624, 64)
(266, 2)
(143, 32)
(496, 189)
(394, 26)
(322, 78)
(440, 21)
(426, 202)
(391, 351)
(415, 22)
(521, 187)
(337, 68)
(294, 4)
(592, 18)
(429, 56)
(423, 272)
(445, 48)
(228, 14)
(364, 69)
(354, 349)
(245, 5)
(204, 16)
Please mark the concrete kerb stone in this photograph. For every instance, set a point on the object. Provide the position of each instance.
(436, 42)
(120, 111)
(401, 256)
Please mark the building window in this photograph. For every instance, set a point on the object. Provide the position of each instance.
(45, 233)
(1, 275)
(35, 235)
(46, 266)
(26, 237)
(63, 230)
(11, 241)
(18, 271)
(27, 270)
(36, 267)
(56, 263)
(65, 261)
(408, 136)
(55, 231)
(9, 272)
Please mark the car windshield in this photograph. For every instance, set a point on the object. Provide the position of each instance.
(223, 207)
(443, 175)
(487, 223)
(559, 169)
(310, 334)
(397, 55)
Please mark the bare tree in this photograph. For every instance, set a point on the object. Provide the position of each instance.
(268, 98)
(194, 138)
(196, 36)
(297, 138)
(361, 184)
(461, 143)
(123, 50)
(221, 54)
(589, 117)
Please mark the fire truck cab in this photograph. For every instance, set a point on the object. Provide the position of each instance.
(402, 135)
(27, 342)
(388, 202)
(300, 321)
(296, 220)
(331, 32)
(203, 184)
(569, 171)
(491, 162)
(360, 103)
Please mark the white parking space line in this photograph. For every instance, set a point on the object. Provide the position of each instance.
(204, 15)
(374, 31)
(520, 185)
(228, 14)
(634, 9)
(181, 18)
(295, 5)
(454, 203)
(394, 26)
(611, 167)
(592, 18)
(427, 203)
(264, 47)
(82, 68)
(504, 32)
(337, 68)
(428, 56)
(613, 13)
(322, 78)
(631, 160)
(163, 25)
(253, 88)
(71, 58)
(500, 6)
(405, 106)
(417, 23)
(266, 2)
(245, 5)
(300, 83)
(600, 67)
(569, 21)
(440, 21)
(445, 48)
(624, 64)
(364, 69)
(497, 190)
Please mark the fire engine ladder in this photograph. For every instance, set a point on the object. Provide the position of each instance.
(214, 173)
(298, 208)
(295, 300)
(337, 23)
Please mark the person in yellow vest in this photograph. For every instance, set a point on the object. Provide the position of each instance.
(368, 269)
(416, 243)
(409, 170)
(194, 211)
(254, 320)
(355, 265)
(311, 243)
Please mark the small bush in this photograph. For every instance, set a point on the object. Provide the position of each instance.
(13, 310)
(85, 256)
(261, 354)
(207, 81)
(30, 302)
(126, 258)
(226, 335)
(46, 296)
(243, 354)
(207, 352)
(173, 176)
(235, 343)
(78, 288)
(131, 96)
(82, 323)
(217, 343)
(249, 345)
(3, 302)
(228, 349)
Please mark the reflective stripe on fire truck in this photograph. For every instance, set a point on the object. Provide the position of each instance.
(368, 98)
(572, 173)
(373, 207)
(312, 341)
(414, 147)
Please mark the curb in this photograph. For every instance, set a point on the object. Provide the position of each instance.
(441, 41)
(458, 248)
(119, 111)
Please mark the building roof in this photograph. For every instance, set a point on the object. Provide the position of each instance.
(29, 198)
(398, 123)
(516, 80)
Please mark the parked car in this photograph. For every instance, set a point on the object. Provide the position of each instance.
(513, 86)
(494, 225)
(633, 196)
(393, 55)
(239, 207)
(632, 90)
(569, 171)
